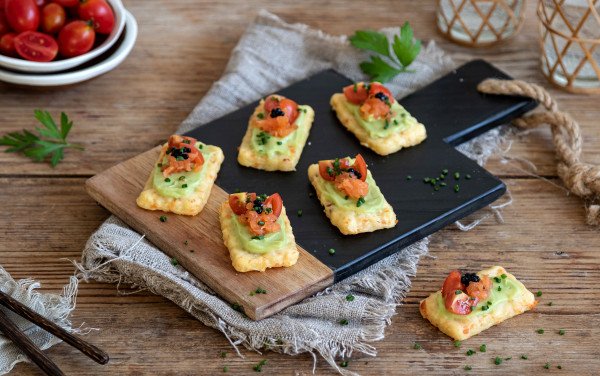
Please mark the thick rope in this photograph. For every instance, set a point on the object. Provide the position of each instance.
(582, 179)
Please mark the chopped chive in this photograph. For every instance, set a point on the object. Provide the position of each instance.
(223, 354)
(458, 292)
(497, 280)
(261, 223)
(299, 212)
(540, 331)
(539, 293)
(499, 288)
(457, 175)
(167, 180)
(159, 165)
(470, 352)
(456, 188)
(350, 297)
(467, 176)
(331, 251)
(524, 357)
(483, 348)
(417, 346)
(485, 308)
(445, 171)
(468, 368)
(174, 261)
(258, 237)
(279, 143)
(408, 177)
(457, 344)
(497, 360)
(561, 332)
(344, 364)
(436, 188)
(360, 201)
(442, 184)
(225, 369)
(426, 180)
(184, 185)
(550, 304)
(163, 218)
(343, 322)
(258, 367)
(181, 178)
(260, 115)
(547, 366)
(503, 276)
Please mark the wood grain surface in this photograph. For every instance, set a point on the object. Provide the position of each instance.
(183, 47)
(197, 243)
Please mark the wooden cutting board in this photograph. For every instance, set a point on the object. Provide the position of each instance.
(452, 111)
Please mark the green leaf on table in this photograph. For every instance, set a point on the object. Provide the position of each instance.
(50, 142)
(371, 41)
(379, 70)
(406, 47)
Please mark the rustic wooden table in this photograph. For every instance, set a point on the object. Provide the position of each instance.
(182, 48)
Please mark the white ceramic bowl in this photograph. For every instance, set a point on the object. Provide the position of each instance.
(59, 65)
(108, 62)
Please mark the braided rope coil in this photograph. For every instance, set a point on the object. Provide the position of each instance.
(582, 179)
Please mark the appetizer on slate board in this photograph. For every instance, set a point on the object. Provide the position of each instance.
(379, 122)
(469, 303)
(182, 177)
(257, 232)
(277, 132)
(350, 196)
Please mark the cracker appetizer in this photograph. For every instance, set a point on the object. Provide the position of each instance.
(352, 200)
(277, 132)
(257, 232)
(470, 303)
(182, 177)
(379, 122)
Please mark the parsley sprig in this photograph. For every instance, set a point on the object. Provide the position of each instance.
(386, 65)
(50, 140)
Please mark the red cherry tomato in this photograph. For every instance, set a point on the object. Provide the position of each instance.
(456, 303)
(76, 38)
(237, 202)
(271, 102)
(288, 106)
(4, 26)
(275, 202)
(35, 46)
(360, 166)
(356, 93)
(66, 3)
(22, 15)
(53, 18)
(326, 169)
(7, 44)
(99, 12)
(376, 87)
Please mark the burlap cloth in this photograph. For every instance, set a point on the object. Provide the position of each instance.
(56, 308)
(271, 55)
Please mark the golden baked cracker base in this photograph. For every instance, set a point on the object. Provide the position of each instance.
(244, 261)
(249, 158)
(411, 136)
(192, 204)
(351, 222)
(461, 327)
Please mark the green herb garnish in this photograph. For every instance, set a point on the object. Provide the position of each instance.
(417, 346)
(539, 293)
(360, 201)
(263, 138)
(223, 354)
(483, 348)
(167, 180)
(456, 188)
(468, 368)
(184, 185)
(524, 357)
(344, 364)
(470, 352)
(343, 322)
(408, 177)
(457, 344)
(331, 251)
(258, 237)
(51, 140)
(350, 298)
(547, 366)
(225, 369)
(497, 360)
(540, 331)
(299, 212)
(260, 115)
(405, 50)
(561, 332)
(174, 261)
(258, 367)
(163, 218)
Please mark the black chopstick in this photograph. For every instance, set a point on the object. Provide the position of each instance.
(86, 348)
(36, 355)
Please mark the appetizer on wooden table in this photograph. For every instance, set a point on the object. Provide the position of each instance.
(182, 177)
(257, 232)
(277, 132)
(379, 122)
(350, 196)
(469, 303)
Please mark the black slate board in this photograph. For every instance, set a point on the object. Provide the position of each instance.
(452, 111)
